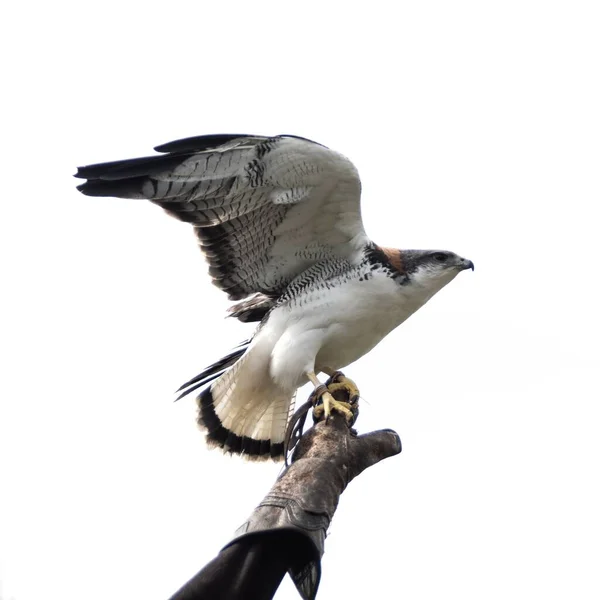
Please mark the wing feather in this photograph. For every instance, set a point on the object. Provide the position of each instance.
(263, 209)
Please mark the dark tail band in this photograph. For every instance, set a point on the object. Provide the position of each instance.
(218, 436)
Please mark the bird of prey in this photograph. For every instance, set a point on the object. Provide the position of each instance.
(278, 220)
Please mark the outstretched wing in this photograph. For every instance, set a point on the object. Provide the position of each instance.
(264, 208)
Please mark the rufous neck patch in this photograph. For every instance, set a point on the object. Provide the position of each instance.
(395, 257)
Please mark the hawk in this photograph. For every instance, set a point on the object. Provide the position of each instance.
(278, 220)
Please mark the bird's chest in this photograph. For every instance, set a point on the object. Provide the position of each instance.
(354, 315)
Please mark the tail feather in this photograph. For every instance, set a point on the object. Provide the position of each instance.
(219, 436)
(213, 371)
(243, 410)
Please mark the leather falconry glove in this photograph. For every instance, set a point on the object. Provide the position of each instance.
(286, 531)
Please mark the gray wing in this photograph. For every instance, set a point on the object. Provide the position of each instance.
(263, 208)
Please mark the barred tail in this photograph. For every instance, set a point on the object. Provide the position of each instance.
(243, 411)
(217, 435)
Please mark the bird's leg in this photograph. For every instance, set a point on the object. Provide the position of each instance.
(338, 381)
(325, 403)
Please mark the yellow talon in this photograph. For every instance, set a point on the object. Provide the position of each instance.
(330, 405)
(348, 387)
(324, 402)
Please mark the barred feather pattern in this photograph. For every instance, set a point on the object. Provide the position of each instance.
(252, 309)
(248, 410)
(263, 209)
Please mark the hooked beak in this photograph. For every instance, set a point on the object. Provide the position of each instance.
(467, 264)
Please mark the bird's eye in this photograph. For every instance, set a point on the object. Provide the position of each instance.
(440, 257)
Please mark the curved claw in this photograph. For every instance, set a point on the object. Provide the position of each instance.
(325, 404)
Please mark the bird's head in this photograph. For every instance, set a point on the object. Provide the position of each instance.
(433, 269)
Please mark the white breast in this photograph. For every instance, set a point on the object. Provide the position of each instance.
(332, 327)
(371, 310)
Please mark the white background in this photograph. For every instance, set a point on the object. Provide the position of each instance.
(475, 127)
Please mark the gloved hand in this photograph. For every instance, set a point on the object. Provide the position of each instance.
(286, 531)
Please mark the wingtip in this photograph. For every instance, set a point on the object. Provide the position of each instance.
(92, 188)
(84, 188)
